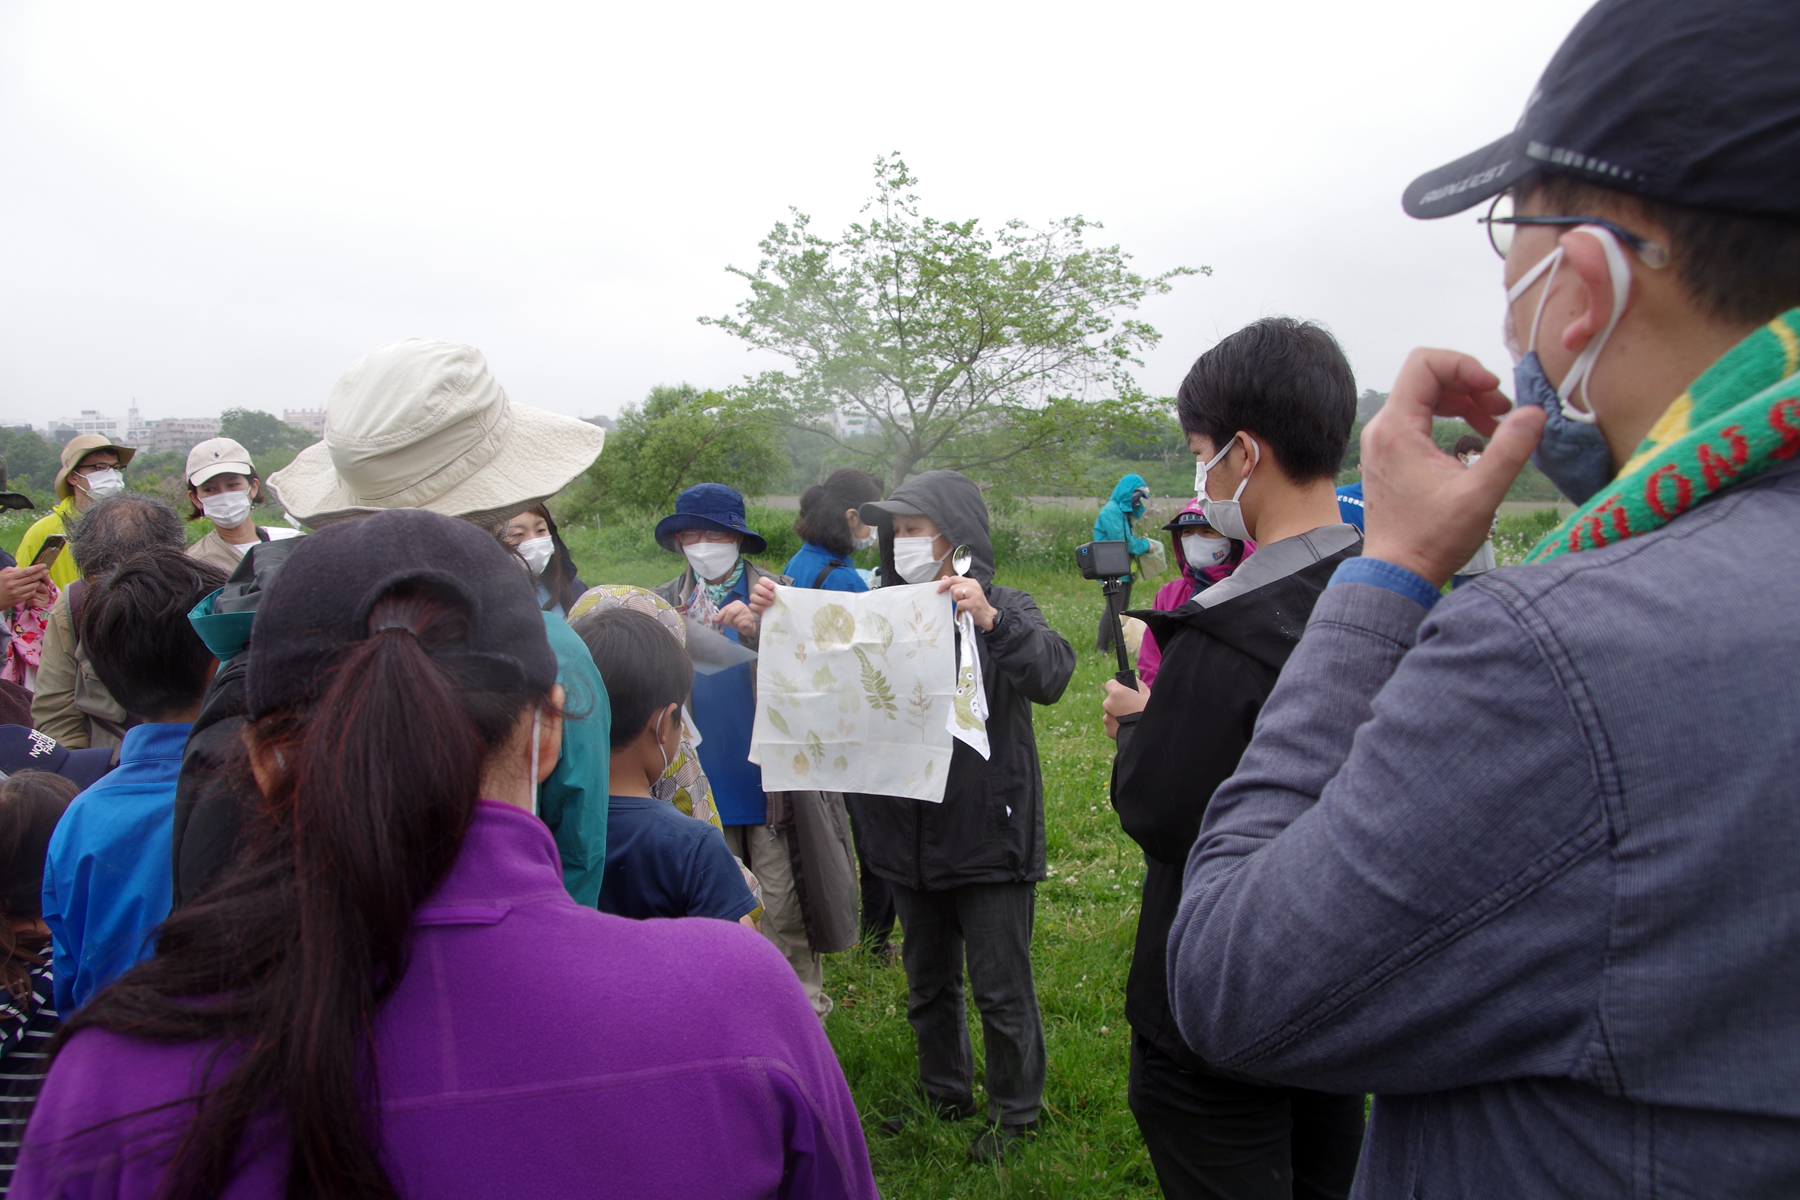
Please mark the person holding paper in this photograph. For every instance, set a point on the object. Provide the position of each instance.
(789, 839)
(965, 871)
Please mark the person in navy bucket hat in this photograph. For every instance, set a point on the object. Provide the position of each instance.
(709, 506)
(708, 529)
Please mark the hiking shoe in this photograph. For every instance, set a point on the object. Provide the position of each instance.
(1000, 1142)
(943, 1110)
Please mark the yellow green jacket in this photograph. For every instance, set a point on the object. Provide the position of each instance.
(63, 571)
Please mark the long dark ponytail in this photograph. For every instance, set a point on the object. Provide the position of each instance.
(366, 796)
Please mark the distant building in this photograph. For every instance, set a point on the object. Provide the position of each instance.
(89, 421)
(310, 419)
(137, 430)
(60, 432)
(852, 424)
(180, 434)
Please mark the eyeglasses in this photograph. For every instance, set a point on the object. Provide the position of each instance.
(94, 467)
(688, 537)
(1500, 222)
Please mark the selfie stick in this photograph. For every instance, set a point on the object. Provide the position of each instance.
(1111, 587)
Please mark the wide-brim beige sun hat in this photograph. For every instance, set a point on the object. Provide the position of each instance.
(423, 424)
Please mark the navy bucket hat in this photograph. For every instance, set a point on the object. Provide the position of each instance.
(709, 506)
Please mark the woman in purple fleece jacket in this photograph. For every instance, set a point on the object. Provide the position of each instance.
(400, 998)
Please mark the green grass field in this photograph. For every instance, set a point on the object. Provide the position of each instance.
(1087, 910)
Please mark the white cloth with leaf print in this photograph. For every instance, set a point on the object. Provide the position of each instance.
(853, 691)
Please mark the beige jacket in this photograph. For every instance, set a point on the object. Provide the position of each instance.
(61, 674)
(220, 553)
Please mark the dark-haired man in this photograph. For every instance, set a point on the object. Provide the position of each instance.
(1537, 839)
(1267, 414)
(107, 879)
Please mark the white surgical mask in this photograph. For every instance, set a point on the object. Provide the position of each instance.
(862, 543)
(102, 484)
(914, 560)
(1226, 516)
(711, 560)
(1202, 551)
(536, 552)
(227, 510)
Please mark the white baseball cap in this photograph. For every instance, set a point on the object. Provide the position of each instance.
(217, 456)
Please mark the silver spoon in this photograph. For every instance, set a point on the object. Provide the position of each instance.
(969, 691)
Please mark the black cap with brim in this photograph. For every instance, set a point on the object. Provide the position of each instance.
(883, 512)
(1692, 104)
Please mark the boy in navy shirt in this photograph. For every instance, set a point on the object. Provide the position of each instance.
(659, 862)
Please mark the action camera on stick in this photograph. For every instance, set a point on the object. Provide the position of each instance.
(1110, 562)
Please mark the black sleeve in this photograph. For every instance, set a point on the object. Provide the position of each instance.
(1186, 742)
(1036, 659)
(209, 798)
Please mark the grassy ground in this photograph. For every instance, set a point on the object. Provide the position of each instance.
(1087, 910)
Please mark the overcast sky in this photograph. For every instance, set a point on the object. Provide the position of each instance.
(213, 205)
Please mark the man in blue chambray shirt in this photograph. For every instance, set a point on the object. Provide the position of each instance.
(1521, 860)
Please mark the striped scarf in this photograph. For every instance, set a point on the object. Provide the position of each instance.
(1737, 420)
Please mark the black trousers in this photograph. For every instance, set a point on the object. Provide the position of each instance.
(1118, 603)
(986, 927)
(1222, 1139)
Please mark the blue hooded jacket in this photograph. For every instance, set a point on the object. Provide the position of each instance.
(1116, 515)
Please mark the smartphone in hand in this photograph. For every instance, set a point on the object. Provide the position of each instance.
(53, 546)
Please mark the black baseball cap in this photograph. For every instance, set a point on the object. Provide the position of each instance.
(25, 749)
(333, 578)
(1692, 102)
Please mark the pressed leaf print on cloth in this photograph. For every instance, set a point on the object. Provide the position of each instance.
(866, 709)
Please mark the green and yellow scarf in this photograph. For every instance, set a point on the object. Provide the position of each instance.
(1737, 420)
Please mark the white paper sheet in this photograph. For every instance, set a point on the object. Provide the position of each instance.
(853, 689)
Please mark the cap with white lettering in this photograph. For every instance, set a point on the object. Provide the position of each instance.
(1693, 104)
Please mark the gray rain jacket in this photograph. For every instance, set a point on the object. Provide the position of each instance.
(990, 827)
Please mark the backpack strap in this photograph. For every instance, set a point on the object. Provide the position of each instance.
(74, 592)
(825, 574)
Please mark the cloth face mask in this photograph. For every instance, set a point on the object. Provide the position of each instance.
(102, 484)
(862, 543)
(1202, 551)
(227, 510)
(1573, 453)
(710, 560)
(537, 551)
(914, 560)
(1226, 516)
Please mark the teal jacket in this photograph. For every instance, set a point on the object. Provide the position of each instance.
(1116, 515)
(572, 802)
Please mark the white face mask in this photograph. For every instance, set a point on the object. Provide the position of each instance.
(536, 552)
(1202, 551)
(537, 717)
(1619, 271)
(711, 560)
(1226, 516)
(102, 484)
(914, 560)
(227, 510)
(862, 543)
(1471, 460)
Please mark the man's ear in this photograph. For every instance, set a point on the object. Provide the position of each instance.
(1583, 254)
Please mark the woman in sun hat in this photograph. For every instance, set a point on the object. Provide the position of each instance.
(93, 468)
(797, 843)
(412, 424)
(223, 487)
